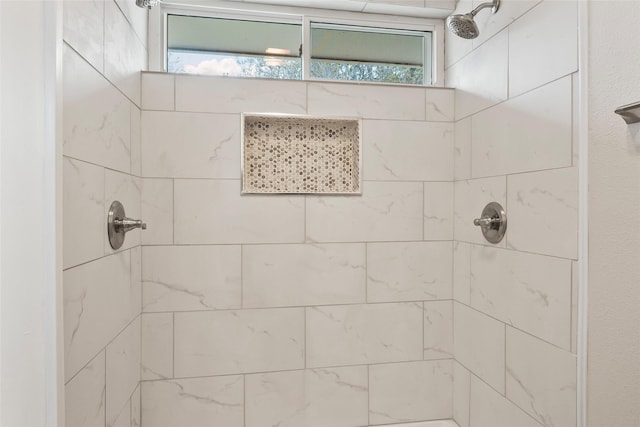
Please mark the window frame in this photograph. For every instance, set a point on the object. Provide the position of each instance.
(158, 18)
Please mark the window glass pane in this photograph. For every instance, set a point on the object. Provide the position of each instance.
(342, 52)
(232, 47)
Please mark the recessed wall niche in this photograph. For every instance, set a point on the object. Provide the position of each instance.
(300, 154)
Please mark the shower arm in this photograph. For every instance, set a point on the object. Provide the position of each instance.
(494, 5)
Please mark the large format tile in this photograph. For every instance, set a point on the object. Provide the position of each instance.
(543, 45)
(156, 343)
(470, 199)
(137, 16)
(123, 370)
(457, 47)
(461, 394)
(527, 133)
(334, 397)
(412, 271)
(361, 334)
(228, 342)
(543, 212)
(530, 292)
(208, 211)
(438, 210)
(97, 117)
(479, 344)
(462, 150)
(489, 408)
(480, 78)
(157, 211)
(85, 395)
(190, 145)
(136, 416)
(366, 101)
(196, 402)
(438, 330)
(183, 278)
(83, 206)
(440, 105)
(83, 29)
(414, 391)
(492, 23)
(100, 299)
(136, 141)
(239, 95)
(462, 272)
(158, 91)
(385, 211)
(541, 379)
(296, 275)
(127, 190)
(124, 54)
(396, 150)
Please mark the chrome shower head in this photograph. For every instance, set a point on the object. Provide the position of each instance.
(464, 26)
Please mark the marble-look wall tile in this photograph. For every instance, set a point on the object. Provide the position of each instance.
(386, 211)
(190, 145)
(491, 23)
(136, 135)
(124, 418)
(228, 342)
(127, 190)
(461, 394)
(136, 419)
(83, 29)
(528, 133)
(440, 105)
(438, 210)
(532, 199)
(361, 334)
(414, 391)
(123, 370)
(97, 117)
(470, 199)
(124, 54)
(158, 91)
(156, 342)
(209, 212)
(543, 45)
(157, 211)
(479, 344)
(138, 18)
(489, 408)
(183, 278)
(85, 395)
(480, 78)
(462, 150)
(530, 292)
(297, 275)
(438, 330)
(334, 397)
(83, 206)
(395, 150)
(366, 101)
(224, 95)
(195, 402)
(541, 379)
(462, 272)
(99, 301)
(412, 271)
(457, 47)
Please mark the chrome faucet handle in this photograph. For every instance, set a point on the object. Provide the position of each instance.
(485, 221)
(493, 222)
(118, 225)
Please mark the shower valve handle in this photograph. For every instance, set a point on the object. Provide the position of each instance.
(126, 224)
(486, 221)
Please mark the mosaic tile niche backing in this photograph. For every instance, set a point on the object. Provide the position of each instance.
(304, 155)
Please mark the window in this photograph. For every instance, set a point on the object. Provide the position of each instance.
(268, 49)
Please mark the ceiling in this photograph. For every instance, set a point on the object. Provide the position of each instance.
(417, 8)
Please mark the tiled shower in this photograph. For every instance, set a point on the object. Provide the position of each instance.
(390, 307)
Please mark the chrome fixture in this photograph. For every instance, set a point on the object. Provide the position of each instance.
(464, 26)
(118, 224)
(493, 222)
(147, 3)
(630, 113)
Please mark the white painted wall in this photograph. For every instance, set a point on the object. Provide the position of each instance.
(614, 228)
(30, 322)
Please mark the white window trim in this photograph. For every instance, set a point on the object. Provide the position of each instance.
(286, 14)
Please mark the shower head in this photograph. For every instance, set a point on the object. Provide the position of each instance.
(147, 3)
(464, 26)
